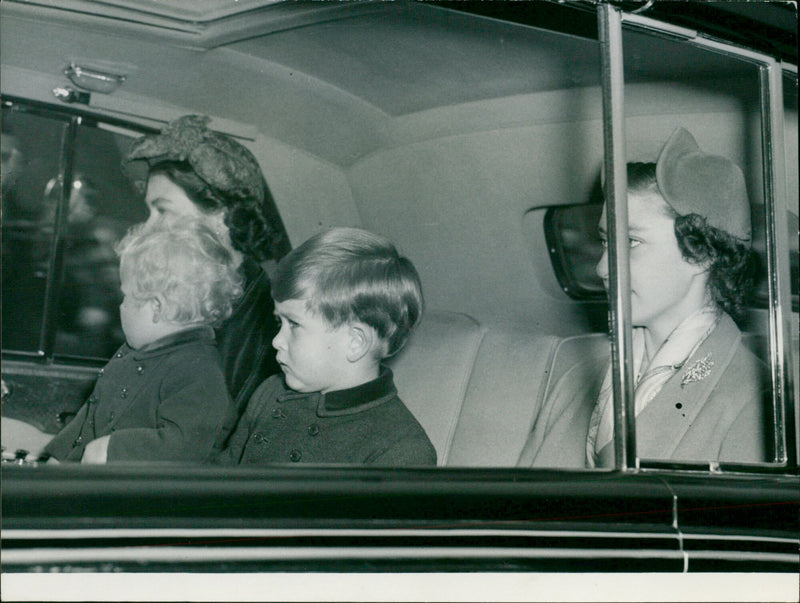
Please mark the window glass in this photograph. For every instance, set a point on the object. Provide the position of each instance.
(103, 204)
(31, 150)
(716, 98)
(701, 388)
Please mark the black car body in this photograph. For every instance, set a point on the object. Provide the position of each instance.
(465, 132)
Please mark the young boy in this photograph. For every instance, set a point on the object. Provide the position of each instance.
(162, 397)
(345, 300)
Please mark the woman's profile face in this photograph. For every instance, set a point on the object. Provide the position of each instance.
(165, 198)
(665, 288)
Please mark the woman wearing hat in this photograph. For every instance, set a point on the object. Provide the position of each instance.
(699, 392)
(194, 171)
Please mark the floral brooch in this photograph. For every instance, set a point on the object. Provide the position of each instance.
(698, 371)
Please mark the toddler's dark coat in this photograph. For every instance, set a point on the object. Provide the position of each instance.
(367, 424)
(164, 402)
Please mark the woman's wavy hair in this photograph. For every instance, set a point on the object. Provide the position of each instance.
(731, 264)
(255, 227)
(184, 262)
(349, 274)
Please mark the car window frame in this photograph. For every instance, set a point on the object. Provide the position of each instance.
(73, 118)
(611, 22)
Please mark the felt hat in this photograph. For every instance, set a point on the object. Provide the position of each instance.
(216, 158)
(694, 182)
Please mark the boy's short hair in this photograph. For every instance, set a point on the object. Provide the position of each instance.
(348, 275)
(185, 263)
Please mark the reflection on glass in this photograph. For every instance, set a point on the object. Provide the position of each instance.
(30, 155)
(103, 204)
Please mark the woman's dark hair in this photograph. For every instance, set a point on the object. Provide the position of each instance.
(731, 264)
(255, 227)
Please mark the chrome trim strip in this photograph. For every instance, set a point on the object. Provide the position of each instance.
(31, 534)
(609, 26)
(210, 554)
(777, 239)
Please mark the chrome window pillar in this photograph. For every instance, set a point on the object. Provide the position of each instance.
(615, 192)
(783, 364)
(777, 238)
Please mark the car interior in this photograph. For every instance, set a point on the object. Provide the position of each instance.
(474, 143)
(483, 139)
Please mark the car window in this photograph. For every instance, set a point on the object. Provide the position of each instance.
(60, 282)
(31, 157)
(61, 293)
(734, 126)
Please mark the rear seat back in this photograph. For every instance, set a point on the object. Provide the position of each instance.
(432, 372)
(572, 350)
(503, 399)
(475, 390)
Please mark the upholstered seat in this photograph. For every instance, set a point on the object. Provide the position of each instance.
(475, 389)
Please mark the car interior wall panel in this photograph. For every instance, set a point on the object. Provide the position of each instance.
(456, 206)
(310, 193)
(46, 397)
(449, 58)
(291, 105)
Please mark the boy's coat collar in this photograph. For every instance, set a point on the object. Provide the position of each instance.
(352, 400)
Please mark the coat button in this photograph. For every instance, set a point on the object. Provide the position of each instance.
(92, 399)
(313, 430)
(277, 413)
(77, 441)
(100, 373)
(295, 455)
(140, 369)
(123, 393)
(118, 355)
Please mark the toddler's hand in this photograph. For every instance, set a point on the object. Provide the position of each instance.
(96, 451)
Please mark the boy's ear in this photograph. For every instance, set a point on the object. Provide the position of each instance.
(362, 339)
